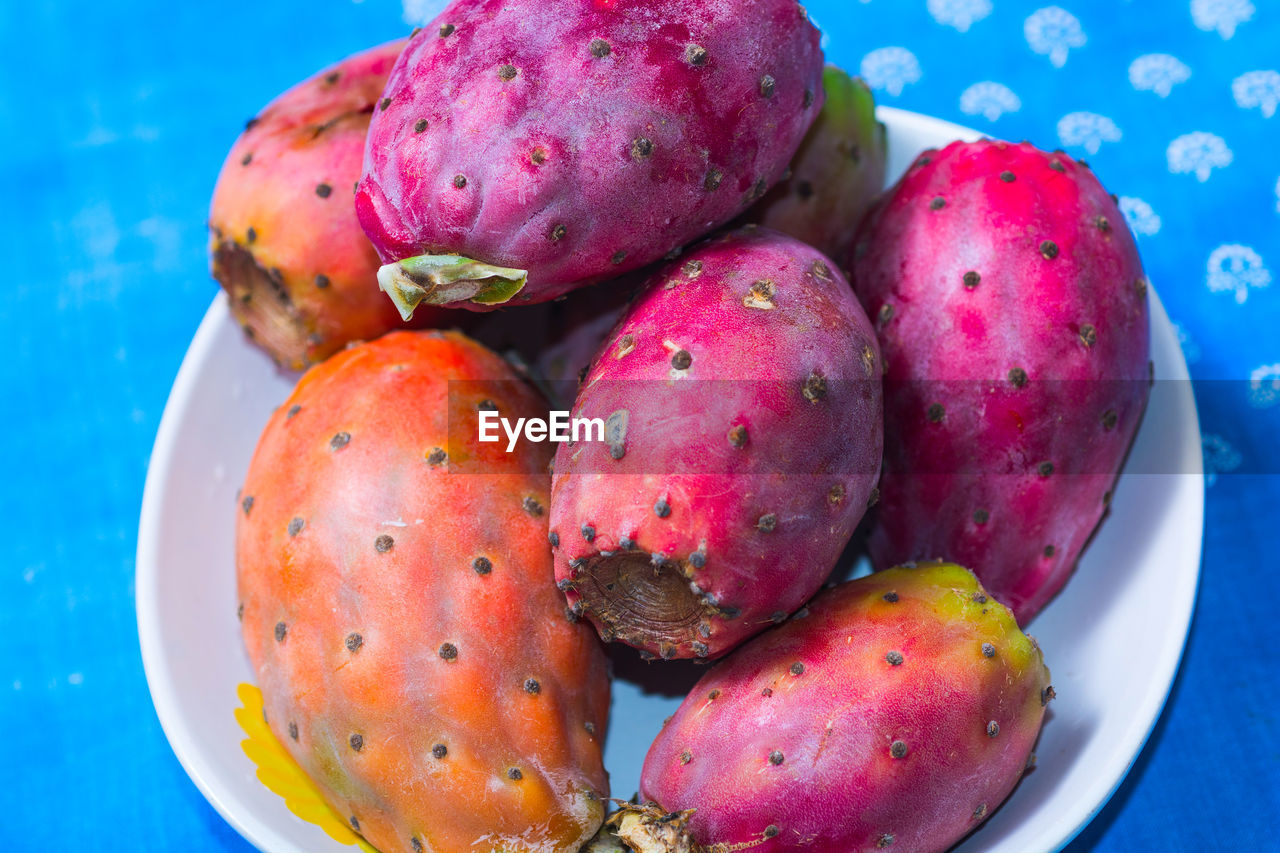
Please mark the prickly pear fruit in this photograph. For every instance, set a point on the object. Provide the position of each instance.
(835, 175)
(300, 275)
(1011, 307)
(414, 655)
(524, 148)
(900, 710)
(718, 500)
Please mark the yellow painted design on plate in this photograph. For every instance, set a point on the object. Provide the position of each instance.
(282, 775)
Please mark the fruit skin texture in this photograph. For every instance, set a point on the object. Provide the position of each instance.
(304, 283)
(1011, 308)
(550, 125)
(811, 738)
(836, 174)
(719, 502)
(433, 696)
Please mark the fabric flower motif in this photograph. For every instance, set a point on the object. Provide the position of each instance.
(1088, 130)
(1198, 153)
(1221, 15)
(1157, 72)
(1259, 89)
(890, 68)
(1264, 386)
(1053, 31)
(422, 12)
(960, 14)
(1190, 349)
(1141, 218)
(1219, 457)
(990, 100)
(1235, 269)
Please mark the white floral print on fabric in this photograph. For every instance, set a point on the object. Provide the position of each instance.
(1219, 457)
(1221, 15)
(1190, 349)
(1141, 218)
(1158, 72)
(1088, 130)
(1236, 269)
(890, 69)
(1264, 386)
(989, 99)
(422, 12)
(960, 14)
(1198, 153)
(1259, 89)
(1053, 32)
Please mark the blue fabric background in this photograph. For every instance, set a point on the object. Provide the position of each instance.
(116, 118)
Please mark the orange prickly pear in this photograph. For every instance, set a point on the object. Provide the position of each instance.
(399, 609)
(300, 275)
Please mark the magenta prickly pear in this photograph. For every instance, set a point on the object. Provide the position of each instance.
(1011, 307)
(835, 175)
(897, 711)
(718, 500)
(523, 148)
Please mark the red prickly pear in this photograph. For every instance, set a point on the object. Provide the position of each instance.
(900, 709)
(1011, 308)
(524, 148)
(718, 501)
(413, 653)
(300, 275)
(835, 175)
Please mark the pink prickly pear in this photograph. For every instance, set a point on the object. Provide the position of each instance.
(1011, 308)
(524, 148)
(718, 501)
(300, 275)
(835, 175)
(896, 711)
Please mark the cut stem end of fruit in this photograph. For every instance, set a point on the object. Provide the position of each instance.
(447, 280)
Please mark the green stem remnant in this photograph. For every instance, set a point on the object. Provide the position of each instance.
(447, 280)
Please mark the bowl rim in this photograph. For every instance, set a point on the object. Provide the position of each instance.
(154, 655)
(1165, 667)
(1065, 828)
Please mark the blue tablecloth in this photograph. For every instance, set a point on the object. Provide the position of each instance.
(117, 117)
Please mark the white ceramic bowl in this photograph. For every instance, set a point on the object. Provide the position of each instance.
(1113, 638)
